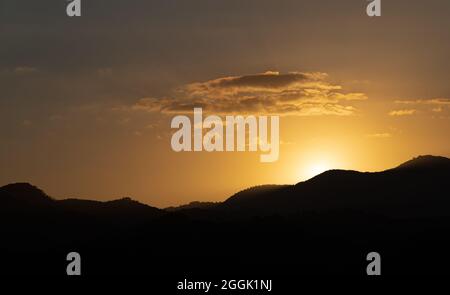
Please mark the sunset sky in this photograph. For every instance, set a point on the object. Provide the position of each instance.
(86, 103)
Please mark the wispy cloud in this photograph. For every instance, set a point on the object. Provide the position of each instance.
(24, 70)
(104, 72)
(399, 113)
(435, 105)
(26, 123)
(379, 135)
(300, 94)
(433, 101)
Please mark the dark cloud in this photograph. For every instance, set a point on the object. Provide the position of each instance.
(266, 80)
(301, 94)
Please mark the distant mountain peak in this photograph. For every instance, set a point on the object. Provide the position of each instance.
(126, 201)
(25, 192)
(20, 185)
(193, 205)
(426, 161)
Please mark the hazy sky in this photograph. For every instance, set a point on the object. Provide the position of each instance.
(86, 103)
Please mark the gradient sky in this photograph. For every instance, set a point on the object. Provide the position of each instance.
(86, 103)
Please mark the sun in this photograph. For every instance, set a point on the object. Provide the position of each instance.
(316, 168)
(315, 162)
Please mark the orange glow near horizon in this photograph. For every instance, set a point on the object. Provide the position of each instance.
(95, 122)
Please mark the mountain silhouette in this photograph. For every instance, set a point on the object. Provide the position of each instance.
(426, 162)
(326, 224)
(192, 205)
(413, 188)
(23, 194)
(125, 208)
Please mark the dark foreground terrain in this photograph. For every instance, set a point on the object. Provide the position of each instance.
(326, 225)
